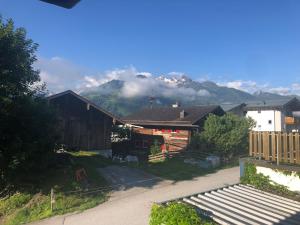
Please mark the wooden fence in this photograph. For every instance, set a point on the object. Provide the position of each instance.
(178, 154)
(275, 146)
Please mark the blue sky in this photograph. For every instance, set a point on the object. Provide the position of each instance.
(250, 45)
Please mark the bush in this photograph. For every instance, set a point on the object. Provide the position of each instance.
(155, 148)
(173, 214)
(199, 143)
(226, 135)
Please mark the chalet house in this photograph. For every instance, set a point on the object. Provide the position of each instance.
(275, 115)
(172, 125)
(83, 125)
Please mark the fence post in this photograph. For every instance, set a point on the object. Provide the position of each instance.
(277, 149)
(259, 145)
(250, 144)
(52, 200)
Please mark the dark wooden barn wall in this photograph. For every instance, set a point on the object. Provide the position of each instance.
(83, 129)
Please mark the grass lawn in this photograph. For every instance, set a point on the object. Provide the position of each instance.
(175, 169)
(29, 205)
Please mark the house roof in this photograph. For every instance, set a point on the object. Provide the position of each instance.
(230, 107)
(69, 92)
(294, 103)
(168, 116)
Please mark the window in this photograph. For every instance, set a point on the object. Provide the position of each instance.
(258, 111)
(270, 122)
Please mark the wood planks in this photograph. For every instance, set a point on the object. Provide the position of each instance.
(273, 146)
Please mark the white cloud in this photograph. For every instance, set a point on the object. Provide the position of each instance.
(252, 86)
(245, 85)
(248, 85)
(281, 90)
(203, 92)
(176, 74)
(60, 74)
(146, 74)
(296, 86)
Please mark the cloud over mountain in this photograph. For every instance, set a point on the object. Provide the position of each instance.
(61, 74)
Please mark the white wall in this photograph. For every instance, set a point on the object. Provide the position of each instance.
(292, 182)
(262, 120)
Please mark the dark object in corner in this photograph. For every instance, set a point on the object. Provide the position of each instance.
(63, 3)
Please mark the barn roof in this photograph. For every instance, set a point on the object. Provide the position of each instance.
(273, 105)
(69, 92)
(170, 116)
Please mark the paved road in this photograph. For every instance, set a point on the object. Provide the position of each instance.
(131, 206)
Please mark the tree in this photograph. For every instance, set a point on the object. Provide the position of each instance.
(27, 131)
(227, 134)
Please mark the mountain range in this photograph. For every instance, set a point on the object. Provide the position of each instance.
(123, 97)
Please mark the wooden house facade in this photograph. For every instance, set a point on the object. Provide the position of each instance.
(83, 125)
(173, 127)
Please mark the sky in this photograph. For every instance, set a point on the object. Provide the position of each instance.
(246, 44)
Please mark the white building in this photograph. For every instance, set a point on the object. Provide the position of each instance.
(275, 116)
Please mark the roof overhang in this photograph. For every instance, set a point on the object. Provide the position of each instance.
(68, 4)
(145, 123)
(256, 108)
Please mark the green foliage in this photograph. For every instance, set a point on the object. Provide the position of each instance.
(227, 135)
(199, 143)
(155, 148)
(28, 125)
(120, 133)
(23, 208)
(174, 214)
(262, 182)
(10, 204)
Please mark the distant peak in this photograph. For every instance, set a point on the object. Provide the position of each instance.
(141, 76)
(258, 93)
(174, 79)
(209, 83)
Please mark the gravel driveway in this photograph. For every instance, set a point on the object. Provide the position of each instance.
(131, 205)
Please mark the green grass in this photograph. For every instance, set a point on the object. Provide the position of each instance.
(175, 169)
(27, 206)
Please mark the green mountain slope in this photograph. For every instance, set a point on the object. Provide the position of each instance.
(111, 97)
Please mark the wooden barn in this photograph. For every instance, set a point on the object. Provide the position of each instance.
(84, 125)
(174, 124)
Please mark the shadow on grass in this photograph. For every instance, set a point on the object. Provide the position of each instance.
(176, 170)
(31, 198)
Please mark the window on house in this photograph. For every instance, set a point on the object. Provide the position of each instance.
(270, 121)
(259, 126)
(259, 111)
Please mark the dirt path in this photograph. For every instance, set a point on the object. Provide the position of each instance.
(131, 205)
